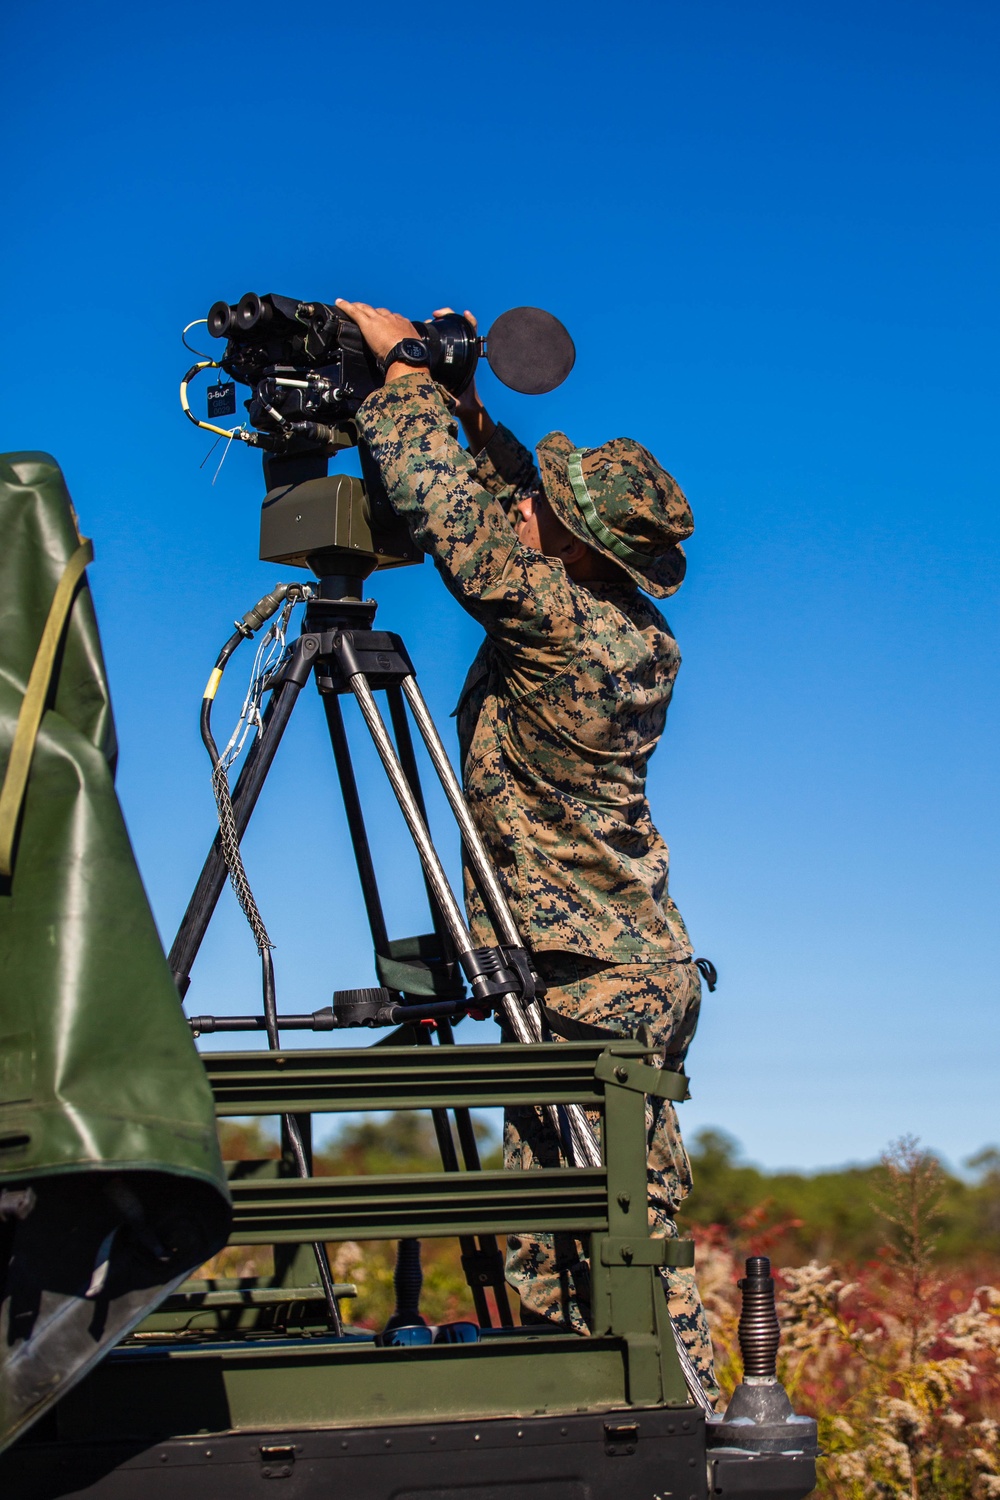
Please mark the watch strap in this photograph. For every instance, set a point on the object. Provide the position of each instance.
(398, 355)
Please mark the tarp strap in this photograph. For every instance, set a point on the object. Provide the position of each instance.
(15, 781)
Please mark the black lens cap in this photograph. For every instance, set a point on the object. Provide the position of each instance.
(530, 350)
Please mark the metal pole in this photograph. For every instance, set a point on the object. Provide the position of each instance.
(463, 1119)
(408, 761)
(508, 1005)
(478, 856)
(523, 1025)
(437, 880)
(380, 937)
(356, 822)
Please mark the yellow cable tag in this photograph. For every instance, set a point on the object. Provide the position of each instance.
(213, 683)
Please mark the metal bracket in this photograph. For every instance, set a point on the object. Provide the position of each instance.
(629, 1073)
(277, 1459)
(620, 1438)
(637, 1250)
(377, 655)
(483, 1267)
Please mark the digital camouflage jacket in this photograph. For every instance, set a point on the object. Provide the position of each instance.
(564, 703)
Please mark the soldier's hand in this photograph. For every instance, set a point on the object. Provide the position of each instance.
(467, 404)
(380, 328)
(441, 312)
(468, 407)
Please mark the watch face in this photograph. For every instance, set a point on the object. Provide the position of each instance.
(413, 349)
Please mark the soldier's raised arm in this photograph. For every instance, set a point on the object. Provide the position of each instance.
(504, 466)
(524, 599)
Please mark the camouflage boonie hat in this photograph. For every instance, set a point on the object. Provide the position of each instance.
(617, 499)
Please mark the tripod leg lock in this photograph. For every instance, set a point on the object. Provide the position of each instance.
(492, 972)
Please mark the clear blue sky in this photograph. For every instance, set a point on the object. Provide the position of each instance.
(772, 229)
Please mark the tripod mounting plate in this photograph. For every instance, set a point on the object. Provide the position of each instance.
(336, 655)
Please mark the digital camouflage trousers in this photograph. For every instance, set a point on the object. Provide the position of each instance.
(659, 1003)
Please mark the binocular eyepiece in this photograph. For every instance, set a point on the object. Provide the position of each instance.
(227, 322)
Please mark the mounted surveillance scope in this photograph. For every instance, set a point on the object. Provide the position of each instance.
(308, 370)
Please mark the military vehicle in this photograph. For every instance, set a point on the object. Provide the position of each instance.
(125, 1369)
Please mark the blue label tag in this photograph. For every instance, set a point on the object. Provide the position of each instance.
(222, 400)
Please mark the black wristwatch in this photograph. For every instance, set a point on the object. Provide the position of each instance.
(406, 352)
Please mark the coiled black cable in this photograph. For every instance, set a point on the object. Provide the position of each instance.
(241, 885)
(759, 1331)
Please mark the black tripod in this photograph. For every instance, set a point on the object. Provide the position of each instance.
(424, 978)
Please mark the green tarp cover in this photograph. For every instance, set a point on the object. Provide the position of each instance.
(111, 1186)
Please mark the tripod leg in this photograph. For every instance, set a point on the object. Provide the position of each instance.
(449, 1160)
(523, 1028)
(356, 822)
(522, 1024)
(205, 896)
(408, 761)
(433, 869)
(486, 1251)
(488, 1246)
(582, 1146)
(376, 921)
(472, 838)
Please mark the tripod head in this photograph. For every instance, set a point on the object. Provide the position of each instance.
(334, 524)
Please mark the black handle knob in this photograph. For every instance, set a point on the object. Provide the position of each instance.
(759, 1331)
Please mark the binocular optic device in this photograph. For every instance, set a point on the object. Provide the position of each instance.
(308, 370)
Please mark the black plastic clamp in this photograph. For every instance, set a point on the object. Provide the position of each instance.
(483, 1267)
(499, 971)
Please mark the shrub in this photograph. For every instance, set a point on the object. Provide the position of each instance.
(899, 1361)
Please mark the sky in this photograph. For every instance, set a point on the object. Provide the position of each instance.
(771, 229)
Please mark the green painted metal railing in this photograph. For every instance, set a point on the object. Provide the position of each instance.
(604, 1206)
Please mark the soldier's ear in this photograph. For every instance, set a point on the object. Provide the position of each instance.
(570, 549)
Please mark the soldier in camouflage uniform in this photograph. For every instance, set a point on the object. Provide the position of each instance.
(560, 712)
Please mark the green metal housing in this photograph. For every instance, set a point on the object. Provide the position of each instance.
(229, 1383)
(254, 1359)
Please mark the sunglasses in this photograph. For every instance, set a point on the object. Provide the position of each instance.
(423, 1333)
